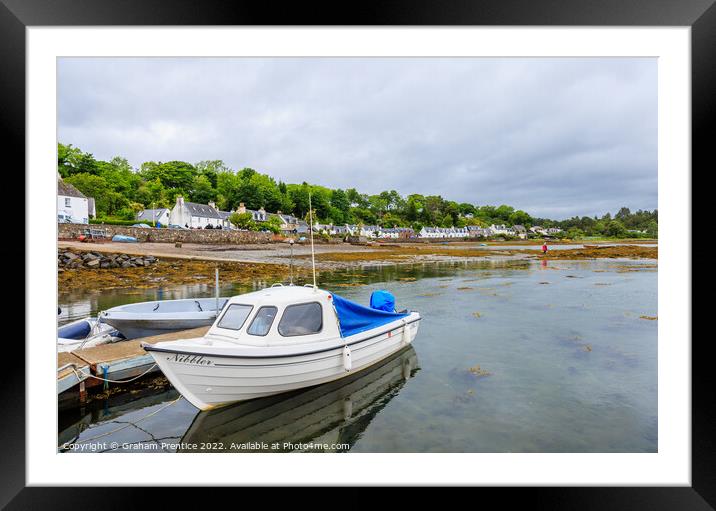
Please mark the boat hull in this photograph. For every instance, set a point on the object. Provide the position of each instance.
(137, 328)
(145, 319)
(209, 381)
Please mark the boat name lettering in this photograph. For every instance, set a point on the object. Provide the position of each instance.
(191, 359)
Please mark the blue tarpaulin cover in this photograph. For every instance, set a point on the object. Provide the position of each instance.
(382, 300)
(355, 318)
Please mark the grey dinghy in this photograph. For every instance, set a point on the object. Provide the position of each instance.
(85, 333)
(136, 320)
(281, 339)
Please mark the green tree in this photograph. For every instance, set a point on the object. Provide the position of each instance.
(615, 229)
(202, 191)
(519, 217)
(211, 169)
(173, 174)
(273, 224)
(107, 201)
(243, 221)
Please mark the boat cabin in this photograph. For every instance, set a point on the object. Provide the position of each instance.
(285, 315)
(277, 315)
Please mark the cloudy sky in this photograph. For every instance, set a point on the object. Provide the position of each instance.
(554, 137)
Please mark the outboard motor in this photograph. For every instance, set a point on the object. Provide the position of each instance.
(382, 300)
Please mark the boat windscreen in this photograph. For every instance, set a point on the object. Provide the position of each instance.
(354, 318)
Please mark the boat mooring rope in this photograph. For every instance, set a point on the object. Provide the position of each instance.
(77, 374)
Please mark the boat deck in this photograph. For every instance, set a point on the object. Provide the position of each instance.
(115, 361)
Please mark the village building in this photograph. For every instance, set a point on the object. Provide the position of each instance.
(370, 231)
(259, 215)
(502, 229)
(475, 231)
(72, 205)
(289, 223)
(197, 216)
(150, 216)
(520, 231)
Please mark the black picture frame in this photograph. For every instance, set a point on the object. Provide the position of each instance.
(700, 15)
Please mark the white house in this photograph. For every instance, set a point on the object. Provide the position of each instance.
(370, 231)
(502, 229)
(198, 216)
(430, 232)
(150, 216)
(550, 231)
(72, 205)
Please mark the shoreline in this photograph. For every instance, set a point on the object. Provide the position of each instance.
(247, 263)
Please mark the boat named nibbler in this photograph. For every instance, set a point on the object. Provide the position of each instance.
(280, 339)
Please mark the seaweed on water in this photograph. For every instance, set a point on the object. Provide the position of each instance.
(650, 318)
(479, 372)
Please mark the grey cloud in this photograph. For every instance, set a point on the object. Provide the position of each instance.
(555, 137)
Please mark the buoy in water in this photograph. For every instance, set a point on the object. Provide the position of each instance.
(347, 364)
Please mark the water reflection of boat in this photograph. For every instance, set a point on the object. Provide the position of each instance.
(310, 419)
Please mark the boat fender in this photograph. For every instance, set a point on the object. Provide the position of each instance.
(347, 364)
(406, 333)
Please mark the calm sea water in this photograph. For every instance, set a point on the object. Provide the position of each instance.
(566, 364)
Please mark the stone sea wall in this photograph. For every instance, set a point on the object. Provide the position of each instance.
(209, 236)
(97, 260)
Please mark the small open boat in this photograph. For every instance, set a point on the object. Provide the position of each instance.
(85, 333)
(281, 339)
(163, 316)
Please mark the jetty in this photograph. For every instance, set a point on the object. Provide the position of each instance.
(115, 364)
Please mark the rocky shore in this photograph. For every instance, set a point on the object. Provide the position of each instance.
(71, 259)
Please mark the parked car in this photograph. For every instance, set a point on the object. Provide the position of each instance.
(144, 226)
(175, 226)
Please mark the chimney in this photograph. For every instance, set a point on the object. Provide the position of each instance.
(180, 201)
(212, 204)
(279, 212)
(241, 209)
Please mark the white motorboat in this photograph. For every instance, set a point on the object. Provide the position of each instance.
(143, 319)
(85, 333)
(280, 339)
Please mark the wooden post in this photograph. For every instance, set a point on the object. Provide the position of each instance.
(83, 393)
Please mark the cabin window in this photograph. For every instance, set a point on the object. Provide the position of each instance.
(303, 319)
(262, 321)
(235, 316)
(68, 202)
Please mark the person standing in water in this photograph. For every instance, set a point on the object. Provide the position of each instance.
(544, 248)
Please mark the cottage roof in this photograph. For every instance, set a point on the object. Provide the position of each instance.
(148, 214)
(67, 190)
(202, 210)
